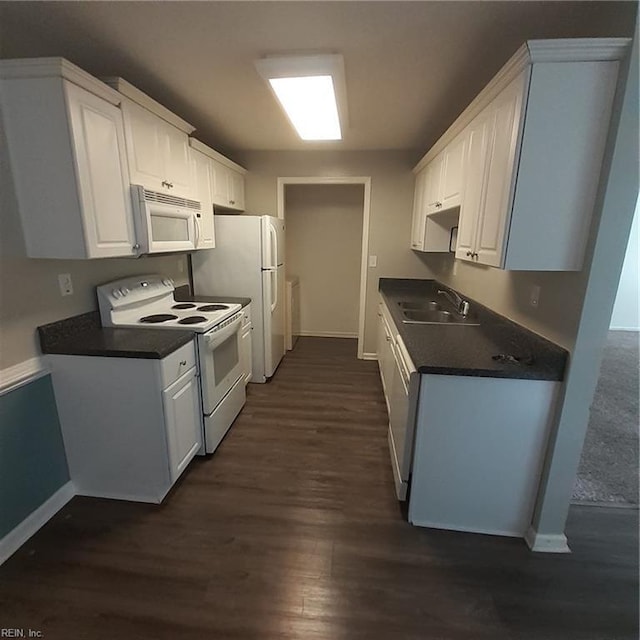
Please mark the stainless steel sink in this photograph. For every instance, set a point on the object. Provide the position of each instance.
(417, 305)
(437, 316)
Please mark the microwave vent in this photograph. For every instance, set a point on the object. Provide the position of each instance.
(163, 198)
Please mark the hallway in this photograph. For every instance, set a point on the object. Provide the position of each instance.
(292, 530)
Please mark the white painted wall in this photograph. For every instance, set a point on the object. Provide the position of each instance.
(324, 240)
(626, 310)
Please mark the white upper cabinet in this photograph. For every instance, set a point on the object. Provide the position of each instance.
(227, 178)
(419, 212)
(67, 153)
(204, 219)
(157, 143)
(531, 148)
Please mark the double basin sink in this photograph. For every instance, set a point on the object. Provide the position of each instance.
(431, 312)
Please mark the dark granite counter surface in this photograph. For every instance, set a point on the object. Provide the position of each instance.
(470, 350)
(83, 335)
(183, 294)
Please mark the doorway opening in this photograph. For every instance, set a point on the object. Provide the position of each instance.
(327, 221)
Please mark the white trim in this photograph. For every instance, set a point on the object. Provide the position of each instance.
(58, 67)
(140, 97)
(546, 543)
(194, 143)
(327, 334)
(634, 329)
(561, 50)
(370, 356)
(33, 522)
(366, 216)
(22, 373)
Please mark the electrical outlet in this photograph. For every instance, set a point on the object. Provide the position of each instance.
(373, 261)
(455, 267)
(534, 295)
(65, 284)
(180, 265)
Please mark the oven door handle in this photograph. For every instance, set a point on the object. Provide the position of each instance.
(215, 338)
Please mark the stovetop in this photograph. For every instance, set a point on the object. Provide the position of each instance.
(148, 301)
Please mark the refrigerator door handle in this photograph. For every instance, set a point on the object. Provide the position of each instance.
(274, 289)
(274, 246)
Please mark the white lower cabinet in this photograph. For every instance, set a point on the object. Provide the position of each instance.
(66, 142)
(479, 450)
(130, 425)
(246, 348)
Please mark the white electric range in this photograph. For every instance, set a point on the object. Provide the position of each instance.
(149, 302)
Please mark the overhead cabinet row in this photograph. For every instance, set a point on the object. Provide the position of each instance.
(82, 152)
(517, 174)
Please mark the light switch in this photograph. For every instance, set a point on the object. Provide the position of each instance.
(373, 261)
(534, 295)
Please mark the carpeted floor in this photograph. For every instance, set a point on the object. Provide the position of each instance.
(608, 471)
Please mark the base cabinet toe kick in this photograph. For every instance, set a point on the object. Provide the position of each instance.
(466, 451)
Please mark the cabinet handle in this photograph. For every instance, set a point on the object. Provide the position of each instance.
(168, 185)
(470, 254)
(232, 201)
(183, 363)
(136, 246)
(438, 205)
(475, 255)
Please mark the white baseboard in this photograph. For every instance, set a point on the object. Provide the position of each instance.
(327, 334)
(546, 543)
(30, 525)
(369, 356)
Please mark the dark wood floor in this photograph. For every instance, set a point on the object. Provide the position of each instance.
(292, 530)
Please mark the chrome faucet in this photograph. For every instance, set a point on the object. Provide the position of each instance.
(461, 305)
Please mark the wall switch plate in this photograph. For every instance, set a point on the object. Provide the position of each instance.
(534, 295)
(65, 284)
(373, 261)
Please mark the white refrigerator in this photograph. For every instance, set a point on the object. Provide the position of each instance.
(248, 261)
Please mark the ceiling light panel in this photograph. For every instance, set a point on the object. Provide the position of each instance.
(312, 92)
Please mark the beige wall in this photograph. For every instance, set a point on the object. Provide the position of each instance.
(324, 245)
(507, 292)
(391, 204)
(29, 294)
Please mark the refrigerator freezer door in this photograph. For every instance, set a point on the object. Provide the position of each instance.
(273, 310)
(272, 242)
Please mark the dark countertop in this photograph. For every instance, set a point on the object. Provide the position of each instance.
(183, 294)
(468, 350)
(83, 335)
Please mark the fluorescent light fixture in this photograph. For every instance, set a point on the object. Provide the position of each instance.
(311, 90)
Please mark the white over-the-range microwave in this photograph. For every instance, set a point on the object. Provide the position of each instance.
(165, 223)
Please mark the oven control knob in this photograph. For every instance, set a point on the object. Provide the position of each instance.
(124, 291)
(167, 282)
(116, 293)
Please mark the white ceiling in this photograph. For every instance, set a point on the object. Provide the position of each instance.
(411, 67)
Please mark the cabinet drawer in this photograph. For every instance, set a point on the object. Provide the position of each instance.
(177, 364)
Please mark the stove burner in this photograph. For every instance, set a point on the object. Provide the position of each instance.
(158, 317)
(184, 305)
(192, 320)
(213, 307)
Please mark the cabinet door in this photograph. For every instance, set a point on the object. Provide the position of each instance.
(202, 177)
(500, 176)
(183, 421)
(236, 190)
(431, 202)
(219, 184)
(177, 164)
(145, 146)
(453, 173)
(103, 176)
(475, 166)
(418, 221)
